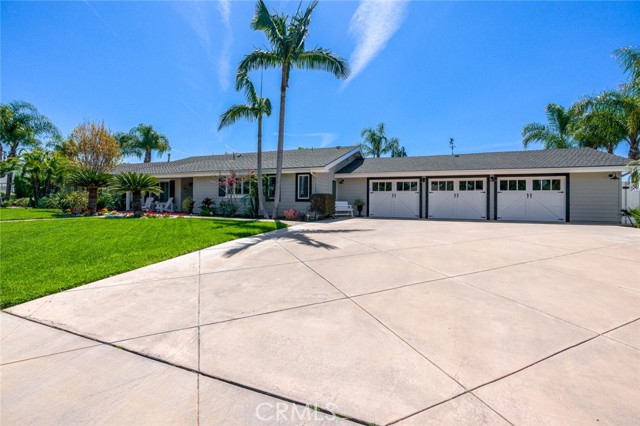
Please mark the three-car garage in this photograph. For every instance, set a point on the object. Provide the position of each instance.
(578, 184)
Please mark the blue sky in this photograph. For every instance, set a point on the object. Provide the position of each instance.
(474, 71)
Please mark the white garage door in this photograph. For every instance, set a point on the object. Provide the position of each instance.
(464, 198)
(532, 198)
(394, 198)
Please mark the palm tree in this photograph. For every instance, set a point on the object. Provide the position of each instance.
(44, 170)
(141, 141)
(92, 181)
(612, 113)
(20, 127)
(255, 109)
(137, 184)
(287, 37)
(629, 59)
(556, 134)
(376, 143)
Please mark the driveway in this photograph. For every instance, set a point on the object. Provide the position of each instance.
(380, 321)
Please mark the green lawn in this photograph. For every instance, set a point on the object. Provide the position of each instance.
(19, 214)
(41, 257)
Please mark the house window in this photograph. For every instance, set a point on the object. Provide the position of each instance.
(271, 187)
(303, 186)
(222, 186)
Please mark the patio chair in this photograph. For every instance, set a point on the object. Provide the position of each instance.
(165, 207)
(148, 204)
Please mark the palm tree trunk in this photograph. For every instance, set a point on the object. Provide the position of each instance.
(93, 199)
(262, 207)
(147, 155)
(7, 194)
(136, 204)
(12, 153)
(280, 153)
(634, 149)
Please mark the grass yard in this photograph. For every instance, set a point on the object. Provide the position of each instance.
(21, 214)
(42, 257)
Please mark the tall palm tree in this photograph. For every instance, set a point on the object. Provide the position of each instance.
(556, 134)
(137, 184)
(92, 181)
(255, 109)
(615, 113)
(629, 59)
(20, 127)
(286, 36)
(142, 141)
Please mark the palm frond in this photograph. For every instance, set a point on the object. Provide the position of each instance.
(534, 132)
(237, 112)
(323, 59)
(259, 59)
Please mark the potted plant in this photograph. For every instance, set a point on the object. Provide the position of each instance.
(359, 205)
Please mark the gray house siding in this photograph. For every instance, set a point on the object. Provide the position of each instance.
(351, 189)
(204, 187)
(594, 197)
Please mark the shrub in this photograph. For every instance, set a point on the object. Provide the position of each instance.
(291, 214)
(21, 202)
(207, 207)
(187, 204)
(109, 200)
(635, 214)
(227, 208)
(323, 204)
(76, 202)
(47, 203)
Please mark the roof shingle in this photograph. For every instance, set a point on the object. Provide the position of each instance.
(293, 159)
(514, 160)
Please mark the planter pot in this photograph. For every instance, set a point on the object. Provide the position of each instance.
(359, 210)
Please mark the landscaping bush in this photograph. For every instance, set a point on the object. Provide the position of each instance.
(207, 207)
(21, 202)
(187, 204)
(635, 214)
(227, 208)
(291, 214)
(47, 203)
(76, 201)
(110, 200)
(323, 204)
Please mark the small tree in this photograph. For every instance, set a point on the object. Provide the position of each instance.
(92, 181)
(92, 146)
(137, 184)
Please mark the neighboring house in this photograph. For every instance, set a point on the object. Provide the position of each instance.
(577, 185)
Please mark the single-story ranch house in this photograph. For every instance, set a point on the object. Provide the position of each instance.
(562, 185)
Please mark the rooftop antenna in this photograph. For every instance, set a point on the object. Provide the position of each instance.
(451, 145)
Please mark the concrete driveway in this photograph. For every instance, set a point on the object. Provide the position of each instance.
(381, 321)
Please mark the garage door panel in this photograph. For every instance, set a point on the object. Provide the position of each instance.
(394, 198)
(461, 198)
(532, 198)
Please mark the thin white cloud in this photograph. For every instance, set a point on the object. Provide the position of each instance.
(97, 14)
(325, 139)
(372, 25)
(197, 16)
(224, 60)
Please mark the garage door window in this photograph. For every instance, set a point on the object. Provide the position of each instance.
(546, 185)
(407, 186)
(381, 186)
(513, 185)
(470, 185)
(442, 185)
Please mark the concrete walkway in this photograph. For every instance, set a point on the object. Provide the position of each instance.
(380, 321)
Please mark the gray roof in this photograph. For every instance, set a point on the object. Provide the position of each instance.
(543, 159)
(293, 159)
